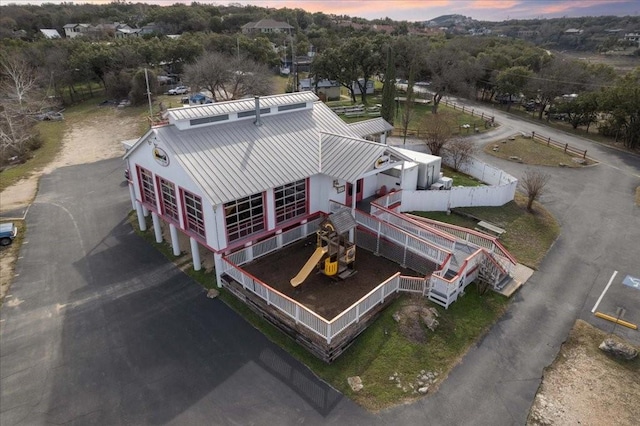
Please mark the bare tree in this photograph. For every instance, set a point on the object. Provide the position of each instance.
(228, 77)
(437, 131)
(20, 101)
(533, 183)
(458, 152)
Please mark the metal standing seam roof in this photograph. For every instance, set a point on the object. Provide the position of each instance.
(210, 110)
(237, 159)
(347, 158)
(371, 127)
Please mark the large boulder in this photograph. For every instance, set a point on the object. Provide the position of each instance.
(618, 349)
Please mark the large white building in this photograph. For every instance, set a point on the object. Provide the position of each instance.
(230, 173)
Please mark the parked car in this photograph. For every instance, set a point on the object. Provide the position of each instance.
(8, 232)
(180, 90)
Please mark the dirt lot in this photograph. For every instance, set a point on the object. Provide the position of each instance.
(584, 386)
(87, 140)
(318, 292)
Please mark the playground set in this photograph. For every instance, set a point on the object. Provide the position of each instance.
(335, 254)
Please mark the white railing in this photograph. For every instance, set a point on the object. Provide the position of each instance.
(430, 234)
(500, 254)
(402, 238)
(389, 199)
(304, 316)
(364, 305)
(414, 284)
(264, 247)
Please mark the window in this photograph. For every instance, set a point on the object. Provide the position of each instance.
(168, 200)
(244, 216)
(147, 188)
(193, 217)
(291, 200)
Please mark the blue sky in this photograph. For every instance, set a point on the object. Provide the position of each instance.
(422, 10)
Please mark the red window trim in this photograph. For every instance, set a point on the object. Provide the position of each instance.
(162, 208)
(143, 195)
(265, 222)
(185, 217)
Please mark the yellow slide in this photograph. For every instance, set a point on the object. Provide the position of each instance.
(308, 267)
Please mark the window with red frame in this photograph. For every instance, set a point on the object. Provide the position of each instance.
(147, 188)
(168, 199)
(244, 216)
(290, 200)
(193, 215)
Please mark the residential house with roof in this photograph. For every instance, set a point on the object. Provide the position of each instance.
(76, 30)
(266, 26)
(50, 33)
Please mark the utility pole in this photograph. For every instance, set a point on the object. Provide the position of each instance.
(146, 79)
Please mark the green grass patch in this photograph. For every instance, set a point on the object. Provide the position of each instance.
(532, 152)
(459, 178)
(381, 351)
(528, 236)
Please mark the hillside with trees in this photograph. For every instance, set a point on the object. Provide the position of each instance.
(38, 74)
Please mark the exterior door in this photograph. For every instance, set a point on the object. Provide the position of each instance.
(349, 189)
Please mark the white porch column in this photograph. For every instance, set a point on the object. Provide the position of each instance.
(249, 247)
(156, 227)
(175, 243)
(383, 138)
(217, 261)
(195, 254)
(132, 195)
(139, 212)
(145, 211)
(354, 189)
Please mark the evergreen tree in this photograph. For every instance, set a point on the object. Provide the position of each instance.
(389, 90)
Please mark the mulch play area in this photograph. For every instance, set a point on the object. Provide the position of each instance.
(320, 293)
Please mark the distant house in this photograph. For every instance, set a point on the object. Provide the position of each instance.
(149, 28)
(127, 32)
(302, 63)
(50, 33)
(635, 37)
(326, 90)
(75, 30)
(356, 87)
(266, 26)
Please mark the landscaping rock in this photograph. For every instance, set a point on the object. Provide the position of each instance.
(515, 158)
(356, 383)
(423, 390)
(618, 349)
(212, 293)
(562, 165)
(579, 160)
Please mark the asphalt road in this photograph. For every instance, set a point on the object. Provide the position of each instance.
(101, 329)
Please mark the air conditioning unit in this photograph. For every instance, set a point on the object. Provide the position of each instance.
(447, 182)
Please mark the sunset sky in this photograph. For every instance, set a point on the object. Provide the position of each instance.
(422, 10)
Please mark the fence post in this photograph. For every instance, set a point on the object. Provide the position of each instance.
(533, 135)
(482, 116)
(472, 110)
(584, 156)
(463, 109)
(565, 148)
(548, 140)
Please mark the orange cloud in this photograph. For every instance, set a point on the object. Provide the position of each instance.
(563, 7)
(357, 8)
(493, 4)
